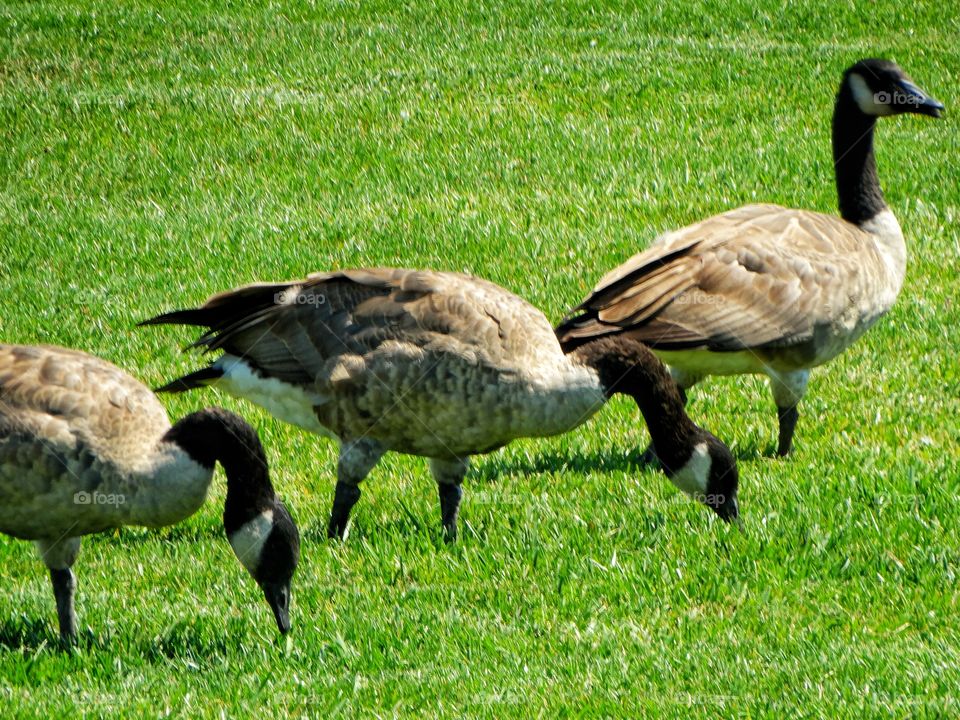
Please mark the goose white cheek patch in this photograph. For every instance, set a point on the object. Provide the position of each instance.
(248, 541)
(868, 101)
(692, 477)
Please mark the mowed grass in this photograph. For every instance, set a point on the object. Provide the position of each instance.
(154, 155)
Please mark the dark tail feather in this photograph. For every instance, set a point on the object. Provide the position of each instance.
(226, 308)
(193, 380)
(194, 316)
(578, 328)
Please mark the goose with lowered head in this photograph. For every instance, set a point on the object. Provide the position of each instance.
(435, 364)
(86, 448)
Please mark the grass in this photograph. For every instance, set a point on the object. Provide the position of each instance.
(153, 155)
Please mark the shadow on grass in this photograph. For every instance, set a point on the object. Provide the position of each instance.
(182, 533)
(34, 635)
(31, 636)
(27, 634)
(401, 527)
(607, 460)
(491, 469)
(551, 461)
(184, 640)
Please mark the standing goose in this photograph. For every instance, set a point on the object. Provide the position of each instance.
(766, 289)
(85, 448)
(434, 364)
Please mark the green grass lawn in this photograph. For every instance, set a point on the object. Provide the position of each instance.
(153, 155)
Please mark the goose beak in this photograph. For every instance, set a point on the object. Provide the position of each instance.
(278, 595)
(729, 510)
(917, 101)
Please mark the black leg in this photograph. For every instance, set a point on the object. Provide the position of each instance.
(788, 422)
(59, 556)
(450, 497)
(357, 459)
(788, 389)
(64, 586)
(344, 499)
(449, 475)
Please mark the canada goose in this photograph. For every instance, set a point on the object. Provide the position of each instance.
(85, 448)
(765, 289)
(434, 364)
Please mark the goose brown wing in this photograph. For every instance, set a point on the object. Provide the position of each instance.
(299, 331)
(759, 276)
(58, 396)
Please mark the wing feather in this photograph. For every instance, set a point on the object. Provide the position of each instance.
(303, 331)
(60, 396)
(760, 276)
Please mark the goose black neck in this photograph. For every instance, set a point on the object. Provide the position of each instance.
(858, 185)
(215, 435)
(628, 367)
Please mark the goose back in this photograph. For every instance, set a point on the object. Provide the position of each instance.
(81, 448)
(428, 363)
(761, 277)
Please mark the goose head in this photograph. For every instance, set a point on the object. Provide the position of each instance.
(693, 459)
(268, 546)
(258, 525)
(708, 475)
(881, 88)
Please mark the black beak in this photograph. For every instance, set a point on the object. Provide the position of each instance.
(728, 509)
(278, 595)
(917, 101)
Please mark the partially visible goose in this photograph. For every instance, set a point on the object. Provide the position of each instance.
(85, 448)
(434, 364)
(765, 289)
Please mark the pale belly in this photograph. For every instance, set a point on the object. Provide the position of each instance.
(826, 344)
(436, 423)
(437, 408)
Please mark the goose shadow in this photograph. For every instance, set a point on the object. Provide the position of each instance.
(27, 635)
(606, 460)
(31, 636)
(186, 640)
(136, 535)
(406, 523)
(551, 461)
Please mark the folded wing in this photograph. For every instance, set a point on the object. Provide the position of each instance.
(300, 331)
(759, 276)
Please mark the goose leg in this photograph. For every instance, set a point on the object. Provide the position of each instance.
(449, 476)
(59, 556)
(684, 380)
(788, 388)
(357, 459)
(788, 417)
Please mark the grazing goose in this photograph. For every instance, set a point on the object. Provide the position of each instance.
(434, 364)
(85, 448)
(765, 289)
